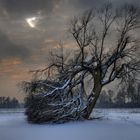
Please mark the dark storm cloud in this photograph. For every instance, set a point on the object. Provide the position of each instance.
(94, 3)
(26, 8)
(16, 8)
(8, 49)
(90, 3)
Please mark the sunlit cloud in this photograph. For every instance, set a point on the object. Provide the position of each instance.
(10, 62)
(31, 22)
(9, 66)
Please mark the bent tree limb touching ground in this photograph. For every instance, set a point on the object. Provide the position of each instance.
(70, 86)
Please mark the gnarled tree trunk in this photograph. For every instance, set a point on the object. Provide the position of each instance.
(94, 94)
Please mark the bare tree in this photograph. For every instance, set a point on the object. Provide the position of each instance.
(106, 51)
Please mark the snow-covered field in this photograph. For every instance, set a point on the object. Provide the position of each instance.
(114, 124)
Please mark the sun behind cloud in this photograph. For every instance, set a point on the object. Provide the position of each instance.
(31, 21)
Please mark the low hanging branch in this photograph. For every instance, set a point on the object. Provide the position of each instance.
(62, 94)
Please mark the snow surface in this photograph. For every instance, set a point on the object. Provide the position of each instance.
(113, 124)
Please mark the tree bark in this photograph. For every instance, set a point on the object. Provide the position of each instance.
(94, 95)
(92, 102)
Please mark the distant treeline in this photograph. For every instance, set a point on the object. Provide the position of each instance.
(127, 97)
(7, 102)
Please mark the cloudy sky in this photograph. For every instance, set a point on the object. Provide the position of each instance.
(28, 29)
